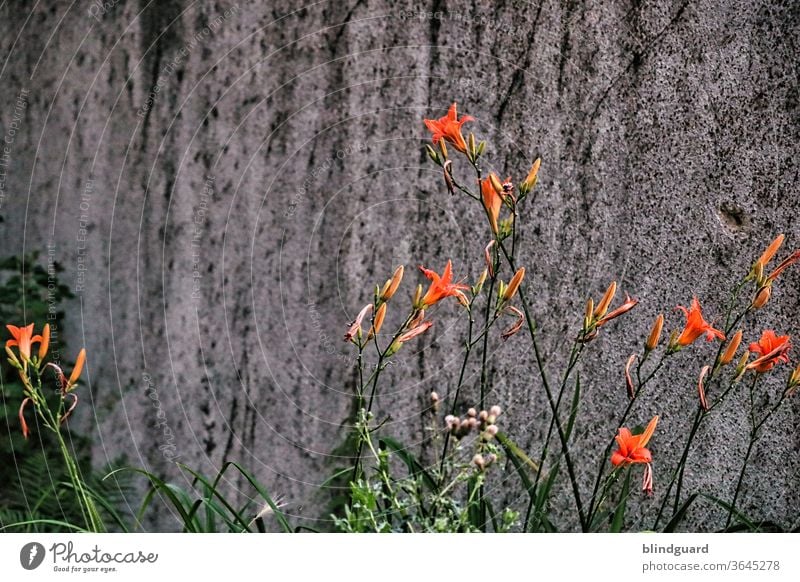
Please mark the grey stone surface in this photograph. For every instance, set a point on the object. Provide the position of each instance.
(242, 190)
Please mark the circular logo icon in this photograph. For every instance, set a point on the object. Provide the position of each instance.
(31, 555)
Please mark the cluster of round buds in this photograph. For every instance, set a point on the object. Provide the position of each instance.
(483, 461)
(482, 422)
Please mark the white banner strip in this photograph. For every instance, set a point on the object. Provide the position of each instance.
(400, 557)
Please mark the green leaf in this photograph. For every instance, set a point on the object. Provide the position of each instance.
(619, 513)
(738, 514)
(680, 514)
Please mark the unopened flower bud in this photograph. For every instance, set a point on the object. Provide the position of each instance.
(587, 316)
(12, 359)
(435, 402)
(741, 367)
(655, 334)
(730, 351)
(514, 284)
(483, 415)
(481, 280)
(490, 432)
(433, 155)
(45, 343)
(496, 184)
(472, 412)
(392, 284)
(605, 302)
(762, 297)
(758, 273)
(530, 180)
(794, 382)
(472, 422)
(495, 411)
(490, 458)
(417, 296)
(479, 461)
(443, 147)
(380, 314)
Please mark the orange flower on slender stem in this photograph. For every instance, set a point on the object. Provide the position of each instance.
(449, 128)
(632, 447)
(772, 349)
(23, 338)
(492, 199)
(696, 326)
(441, 287)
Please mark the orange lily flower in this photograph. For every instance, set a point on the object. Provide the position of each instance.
(696, 325)
(632, 447)
(492, 199)
(23, 338)
(441, 287)
(772, 349)
(449, 128)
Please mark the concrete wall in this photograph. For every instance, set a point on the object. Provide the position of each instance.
(223, 200)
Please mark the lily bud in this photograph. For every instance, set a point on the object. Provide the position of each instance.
(514, 284)
(481, 280)
(530, 180)
(12, 359)
(762, 297)
(730, 351)
(76, 371)
(377, 322)
(794, 382)
(766, 257)
(433, 155)
(417, 296)
(655, 334)
(496, 184)
(487, 256)
(588, 314)
(392, 284)
(45, 343)
(473, 146)
(741, 367)
(443, 147)
(605, 302)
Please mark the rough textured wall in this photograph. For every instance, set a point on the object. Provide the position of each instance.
(223, 200)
